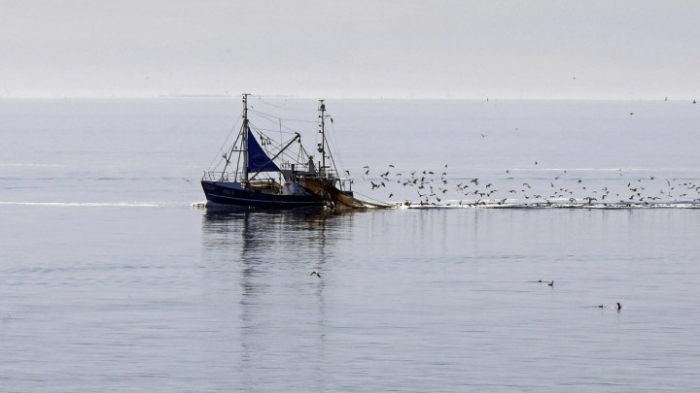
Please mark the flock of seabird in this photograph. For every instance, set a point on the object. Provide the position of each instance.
(563, 190)
(432, 191)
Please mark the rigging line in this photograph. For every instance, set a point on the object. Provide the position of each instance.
(223, 145)
(279, 117)
(275, 120)
(271, 117)
(269, 131)
(305, 153)
(274, 130)
(270, 142)
(298, 120)
(335, 151)
(372, 199)
(262, 101)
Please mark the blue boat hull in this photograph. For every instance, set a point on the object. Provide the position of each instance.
(220, 194)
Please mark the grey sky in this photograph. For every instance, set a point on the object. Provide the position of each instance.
(463, 49)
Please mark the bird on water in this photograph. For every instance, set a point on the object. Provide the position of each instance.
(619, 306)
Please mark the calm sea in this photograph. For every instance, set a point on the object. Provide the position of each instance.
(113, 277)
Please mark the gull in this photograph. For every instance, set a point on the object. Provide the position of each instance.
(315, 273)
(551, 284)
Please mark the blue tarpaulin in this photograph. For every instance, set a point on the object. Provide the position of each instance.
(258, 161)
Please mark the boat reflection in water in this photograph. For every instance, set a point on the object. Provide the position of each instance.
(260, 265)
(306, 230)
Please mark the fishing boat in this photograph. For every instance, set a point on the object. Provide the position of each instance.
(270, 174)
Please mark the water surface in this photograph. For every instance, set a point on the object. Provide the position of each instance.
(111, 280)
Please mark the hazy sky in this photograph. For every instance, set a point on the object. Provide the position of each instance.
(376, 48)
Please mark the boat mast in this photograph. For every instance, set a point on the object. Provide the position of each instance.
(244, 135)
(322, 131)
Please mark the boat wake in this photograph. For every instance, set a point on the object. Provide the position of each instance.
(90, 204)
(199, 205)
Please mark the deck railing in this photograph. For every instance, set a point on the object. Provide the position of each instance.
(340, 182)
(220, 176)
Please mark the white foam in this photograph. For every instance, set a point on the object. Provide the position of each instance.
(87, 204)
(555, 205)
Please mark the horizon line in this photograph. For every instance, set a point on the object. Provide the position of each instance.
(339, 97)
